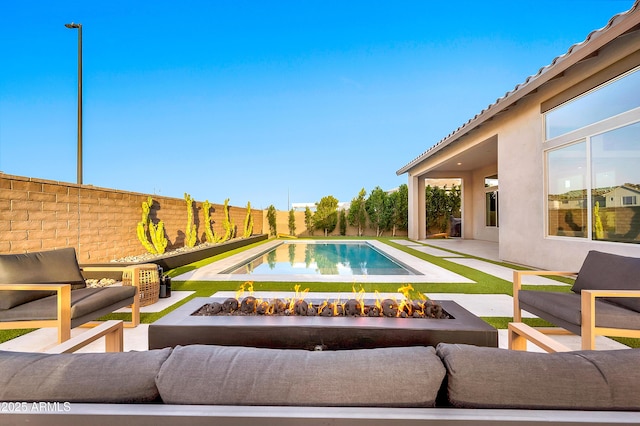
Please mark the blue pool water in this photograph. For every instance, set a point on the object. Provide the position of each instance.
(293, 258)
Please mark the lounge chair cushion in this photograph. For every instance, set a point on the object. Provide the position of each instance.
(123, 377)
(44, 267)
(83, 302)
(383, 377)
(480, 377)
(566, 306)
(606, 271)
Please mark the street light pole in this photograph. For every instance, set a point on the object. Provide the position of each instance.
(79, 28)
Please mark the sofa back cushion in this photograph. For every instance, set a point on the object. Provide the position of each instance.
(479, 377)
(43, 267)
(606, 271)
(384, 377)
(117, 377)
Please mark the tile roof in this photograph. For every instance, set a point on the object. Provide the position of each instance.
(544, 74)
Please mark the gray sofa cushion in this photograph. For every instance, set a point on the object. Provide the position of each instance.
(218, 375)
(44, 267)
(606, 271)
(123, 377)
(84, 301)
(566, 306)
(481, 377)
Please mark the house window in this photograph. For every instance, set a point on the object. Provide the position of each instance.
(491, 200)
(615, 156)
(600, 179)
(491, 213)
(567, 191)
(592, 151)
(610, 99)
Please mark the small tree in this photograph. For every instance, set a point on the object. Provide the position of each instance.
(271, 218)
(455, 200)
(308, 220)
(292, 222)
(357, 213)
(326, 215)
(377, 209)
(441, 203)
(343, 222)
(399, 207)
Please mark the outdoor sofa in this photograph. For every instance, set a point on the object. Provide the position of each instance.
(48, 289)
(452, 384)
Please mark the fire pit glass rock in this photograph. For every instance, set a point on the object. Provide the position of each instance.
(389, 308)
(298, 305)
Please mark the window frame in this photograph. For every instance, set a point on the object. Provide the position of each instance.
(584, 134)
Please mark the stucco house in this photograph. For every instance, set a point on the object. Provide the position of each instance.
(538, 166)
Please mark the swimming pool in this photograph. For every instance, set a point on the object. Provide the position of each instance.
(322, 258)
(221, 270)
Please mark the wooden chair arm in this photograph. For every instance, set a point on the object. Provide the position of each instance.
(610, 293)
(51, 287)
(107, 268)
(588, 315)
(63, 315)
(103, 268)
(588, 300)
(110, 330)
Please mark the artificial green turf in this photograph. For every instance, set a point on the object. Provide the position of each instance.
(484, 284)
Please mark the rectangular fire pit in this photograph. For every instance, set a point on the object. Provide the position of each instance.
(333, 333)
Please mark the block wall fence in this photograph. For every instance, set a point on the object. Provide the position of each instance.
(100, 223)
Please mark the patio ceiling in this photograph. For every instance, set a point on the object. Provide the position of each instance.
(476, 157)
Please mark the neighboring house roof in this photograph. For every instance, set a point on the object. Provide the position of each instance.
(617, 25)
(627, 186)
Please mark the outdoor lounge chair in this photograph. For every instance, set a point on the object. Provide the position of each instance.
(605, 299)
(47, 289)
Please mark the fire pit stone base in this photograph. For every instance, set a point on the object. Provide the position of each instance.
(180, 327)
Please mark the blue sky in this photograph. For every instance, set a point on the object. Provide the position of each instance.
(263, 101)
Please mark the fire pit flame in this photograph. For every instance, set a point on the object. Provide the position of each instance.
(296, 305)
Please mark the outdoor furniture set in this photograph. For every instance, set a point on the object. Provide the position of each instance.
(47, 289)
